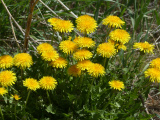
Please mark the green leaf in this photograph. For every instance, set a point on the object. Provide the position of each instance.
(49, 109)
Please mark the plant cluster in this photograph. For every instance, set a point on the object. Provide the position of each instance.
(81, 78)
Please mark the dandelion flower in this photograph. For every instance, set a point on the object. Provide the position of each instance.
(59, 63)
(31, 84)
(23, 60)
(155, 63)
(116, 84)
(63, 26)
(16, 97)
(68, 46)
(113, 21)
(120, 35)
(84, 64)
(112, 41)
(121, 46)
(86, 24)
(50, 56)
(82, 54)
(44, 47)
(6, 61)
(84, 42)
(7, 78)
(153, 73)
(48, 83)
(144, 46)
(53, 21)
(106, 50)
(74, 71)
(96, 70)
(3, 91)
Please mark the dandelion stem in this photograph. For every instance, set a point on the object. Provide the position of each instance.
(27, 98)
(15, 110)
(107, 35)
(1, 113)
(22, 74)
(48, 96)
(105, 63)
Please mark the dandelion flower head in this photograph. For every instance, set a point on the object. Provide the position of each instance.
(59, 63)
(48, 83)
(50, 56)
(7, 78)
(44, 47)
(113, 22)
(96, 70)
(16, 97)
(86, 24)
(153, 73)
(116, 84)
(63, 26)
(144, 46)
(82, 55)
(6, 61)
(68, 46)
(31, 84)
(84, 42)
(155, 63)
(3, 91)
(84, 64)
(120, 35)
(106, 50)
(53, 21)
(23, 60)
(74, 71)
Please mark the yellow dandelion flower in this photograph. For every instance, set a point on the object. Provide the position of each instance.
(82, 54)
(84, 42)
(48, 83)
(155, 63)
(112, 41)
(44, 47)
(23, 60)
(31, 84)
(16, 97)
(53, 21)
(63, 26)
(68, 46)
(120, 35)
(106, 50)
(113, 21)
(3, 91)
(86, 24)
(84, 64)
(116, 84)
(121, 46)
(96, 70)
(144, 46)
(50, 56)
(6, 61)
(153, 73)
(7, 78)
(74, 71)
(59, 63)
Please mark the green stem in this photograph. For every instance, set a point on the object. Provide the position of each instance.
(27, 98)
(22, 74)
(81, 79)
(48, 97)
(105, 63)
(15, 111)
(107, 34)
(1, 113)
(89, 91)
(113, 95)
